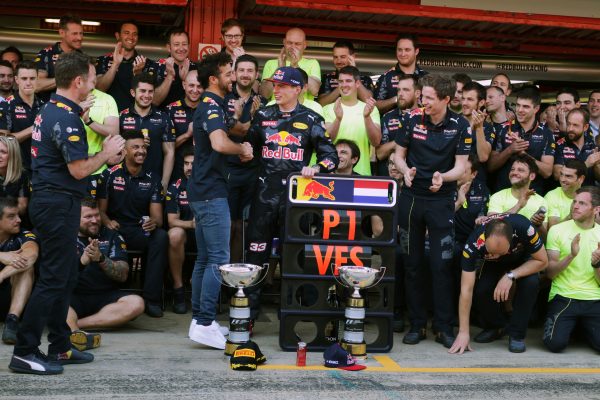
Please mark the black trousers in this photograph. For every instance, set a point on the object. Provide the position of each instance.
(155, 246)
(491, 313)
(435, 217)
(563, 314)
(56, 217)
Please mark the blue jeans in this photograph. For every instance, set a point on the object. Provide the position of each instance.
(213, 225)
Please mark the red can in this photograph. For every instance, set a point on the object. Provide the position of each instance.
(301, 355)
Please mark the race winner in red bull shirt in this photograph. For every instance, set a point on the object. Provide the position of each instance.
(286, 134)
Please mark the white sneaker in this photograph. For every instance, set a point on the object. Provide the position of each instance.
(224, 330)
(209, 335)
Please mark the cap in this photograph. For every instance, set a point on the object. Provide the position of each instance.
(288, 76)
(246, 357)
(336, 357)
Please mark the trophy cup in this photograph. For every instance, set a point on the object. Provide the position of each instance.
(240, 276)
(355, 277)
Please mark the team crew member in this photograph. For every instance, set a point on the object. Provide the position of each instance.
(12, 55)
(7, 80)
(116, 70)
(433, 145)
(18, 253)
(343, 56)
(181, 229)
(154, 124)
(567, 99)
(70, 30)
(286, 135)
(181, 114)
(351, 119)
(407, 50)
(130, 200)
(574, 267)
(60, 163)
(524, 135)
(18, 112)
(97, 301)
(348, 155)
(456, 102)
(505, 250)
(560, 200)
(14, 182)
(292, 54)
(594, 110)
(232, 34)
(207, 195)
(171, 72)
(502, 81)
(409, 93)
(579, 145)
(495, 106)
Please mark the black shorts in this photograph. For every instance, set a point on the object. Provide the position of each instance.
(242, 184)
(5, 298)
(89, 304)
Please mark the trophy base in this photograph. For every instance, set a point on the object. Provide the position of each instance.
(238, 301)
(355, 302)
(230, 348)
(357, 350)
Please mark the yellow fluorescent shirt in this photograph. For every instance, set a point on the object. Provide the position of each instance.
(504, 200)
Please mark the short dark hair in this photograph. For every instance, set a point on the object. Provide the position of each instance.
(530, 92)
(350, 70)
(578, 166)
(444, 86)
(132, 134)
(496, 88)
(501, 74)
(247, 58)
(525, 159)
(230, 23)
(584, 113)
(127, 22)
(7, 202)
(7, 64)
(210, 66)
(89, 202)
(69, 19)
(12, 49)
(345, 44)
(69, 66)
(188, 150)
(569, 90)
(593, 191)
(177, 31)
(404, 77)
(144, 77)
(498, 227)
(354, 150)
(304, 75)
(477, 87)
(474, 160)
(408, 36)
(25, 65)
(593, 92)
(462, 78)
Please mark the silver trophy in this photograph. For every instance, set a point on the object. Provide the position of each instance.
(240, 276)
(356, 277)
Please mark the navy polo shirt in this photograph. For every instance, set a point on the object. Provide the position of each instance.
(121, 85)
(330, 82)
(177, 200)
(391, 122)
(490, 137)
(15, 116)
(432, 148)
(92, 279)
(15, 242)
(58, 138)
(475, 205)
(159, 70)
(157, 125)
(45, 60)
(129, 196)
(208, 180)
(180, 115)
(567, 150)
(20, 188)
(387, 84)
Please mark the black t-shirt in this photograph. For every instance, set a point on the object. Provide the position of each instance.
(490, 137)
(92, 279)
(566, 150)
(159, 70)
(15, 242)
(475, 206)
(58, 138)
(20, 188)
(330, 82)
(391, 122)
(177, 200)
(525, 241)
(387, 84)
(129, 197)
(46, 60)
(432, 148)
(181, 115)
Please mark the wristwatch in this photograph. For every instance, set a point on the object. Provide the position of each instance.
(91, 121)
(511, 275)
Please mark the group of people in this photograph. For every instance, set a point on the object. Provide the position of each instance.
(168, 156)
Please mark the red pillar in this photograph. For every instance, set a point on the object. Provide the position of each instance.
(203, 20)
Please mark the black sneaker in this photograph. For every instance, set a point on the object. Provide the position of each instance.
(179, 305)
(35, 363)
(11, 326)
(446, 339)
(489, 335)
(414, 336)
(72, 356)
(398, 325)
(516, 345)
(153, 310)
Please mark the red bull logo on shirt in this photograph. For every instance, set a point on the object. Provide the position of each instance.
(283, 138)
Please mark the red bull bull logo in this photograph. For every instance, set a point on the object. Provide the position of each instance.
(283, 138)
(314, 190)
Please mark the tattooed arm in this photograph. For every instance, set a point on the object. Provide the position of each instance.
(115, 270)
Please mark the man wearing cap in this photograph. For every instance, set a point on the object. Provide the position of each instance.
(286, 134)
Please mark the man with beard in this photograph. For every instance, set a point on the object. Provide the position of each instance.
(130, 200)
(456, 102)
(154, 124)
(578, 145)
(116, 70)
(171, 72)
(97, 300)
(594, 110)
(343, 56)
(407, 49)
(6, 80)
(181, 114)
(409, 93)
(18, 113)
(560, 200)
